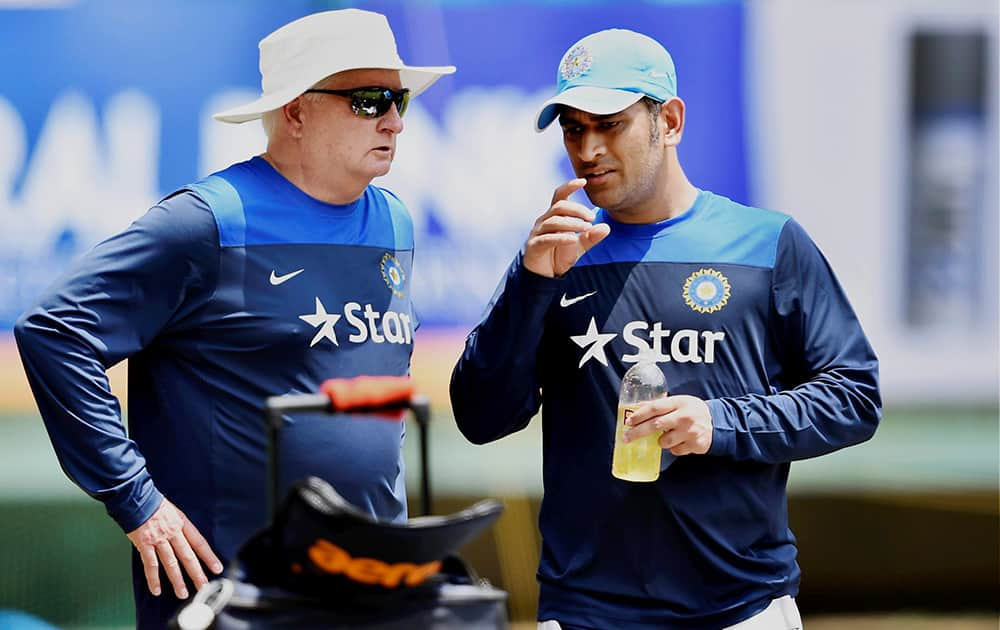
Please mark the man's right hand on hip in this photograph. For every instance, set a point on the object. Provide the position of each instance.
(169, 539)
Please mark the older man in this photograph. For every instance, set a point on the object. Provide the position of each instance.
(262, 279)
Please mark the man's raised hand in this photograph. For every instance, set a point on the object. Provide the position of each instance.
(563, 234)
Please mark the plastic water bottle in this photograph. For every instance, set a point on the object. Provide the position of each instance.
(638, 460)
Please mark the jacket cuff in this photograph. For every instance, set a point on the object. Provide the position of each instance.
(137, 506)
(723, 436)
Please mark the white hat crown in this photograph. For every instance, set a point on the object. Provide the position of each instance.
(309, 49)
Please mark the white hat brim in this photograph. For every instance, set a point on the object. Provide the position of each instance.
(415, 78)
(590, 99)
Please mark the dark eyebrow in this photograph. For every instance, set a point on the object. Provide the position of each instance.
(565, 119)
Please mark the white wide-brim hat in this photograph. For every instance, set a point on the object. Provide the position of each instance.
(301, 53)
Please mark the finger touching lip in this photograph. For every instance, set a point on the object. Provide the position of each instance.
(598, 177)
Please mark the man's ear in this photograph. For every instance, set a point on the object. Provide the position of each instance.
(291, 117)
(672, 119)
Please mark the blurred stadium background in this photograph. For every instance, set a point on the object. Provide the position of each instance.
(874, 123)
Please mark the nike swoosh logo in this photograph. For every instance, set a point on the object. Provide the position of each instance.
(276, 279)
(564, 301)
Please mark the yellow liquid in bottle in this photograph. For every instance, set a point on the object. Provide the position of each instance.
(639, 460)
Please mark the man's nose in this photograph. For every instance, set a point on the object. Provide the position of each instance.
(591, 147)
(391, 120)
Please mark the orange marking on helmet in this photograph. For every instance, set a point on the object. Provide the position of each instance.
(330, 558)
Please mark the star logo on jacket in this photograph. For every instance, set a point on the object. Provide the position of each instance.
(324, 321)
(706, 291)
(596, 342)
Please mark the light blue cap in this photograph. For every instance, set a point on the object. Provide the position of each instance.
(608, 71)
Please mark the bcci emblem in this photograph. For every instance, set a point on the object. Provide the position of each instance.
(393, 274)
(575, 63)
(706, 291)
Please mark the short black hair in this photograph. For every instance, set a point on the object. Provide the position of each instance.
(653, 107)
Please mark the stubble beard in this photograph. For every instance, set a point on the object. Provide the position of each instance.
(629, 197)
(626, 200)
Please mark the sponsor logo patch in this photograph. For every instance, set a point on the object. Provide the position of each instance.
(278, 280)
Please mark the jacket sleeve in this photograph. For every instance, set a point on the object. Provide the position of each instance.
(495, 385)
(110, 304)
(829, 371)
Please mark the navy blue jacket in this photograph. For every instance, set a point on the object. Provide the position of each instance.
(742, 311)
(237, 288)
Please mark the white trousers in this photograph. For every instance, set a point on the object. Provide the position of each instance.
(781, 614)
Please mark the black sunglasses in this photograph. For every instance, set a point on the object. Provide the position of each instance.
(372, 101)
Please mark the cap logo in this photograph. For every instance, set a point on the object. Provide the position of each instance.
(576, 63)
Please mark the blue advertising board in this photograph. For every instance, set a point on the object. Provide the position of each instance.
(105, 106)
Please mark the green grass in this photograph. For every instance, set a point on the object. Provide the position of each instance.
(65, 562)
